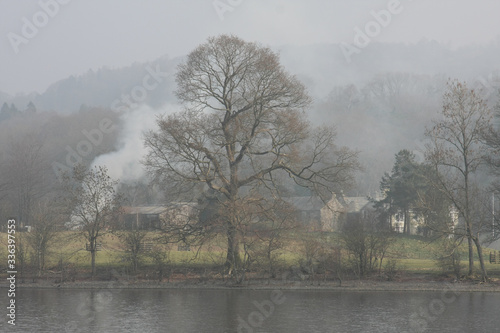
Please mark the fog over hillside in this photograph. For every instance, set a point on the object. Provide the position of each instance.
(321, 67)
(106, 87)
(375, 69)
(380, 103)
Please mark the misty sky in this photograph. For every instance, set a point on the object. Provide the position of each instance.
(89, 34)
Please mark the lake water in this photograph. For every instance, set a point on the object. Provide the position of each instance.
(212, 310)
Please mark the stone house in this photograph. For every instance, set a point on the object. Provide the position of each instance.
(156, 217)
(317, 214)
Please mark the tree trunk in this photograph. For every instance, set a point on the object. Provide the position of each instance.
(93, 245)
(471, 251)
(233, 253)
(407, 222)
(41, 260)
(390, 220)
(361, 270)
(92, 253)
(481, 259)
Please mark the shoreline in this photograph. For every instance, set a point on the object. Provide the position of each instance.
(348, 285)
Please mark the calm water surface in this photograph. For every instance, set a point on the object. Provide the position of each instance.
(206, 310)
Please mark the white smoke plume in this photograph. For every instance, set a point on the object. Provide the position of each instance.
(124, 163)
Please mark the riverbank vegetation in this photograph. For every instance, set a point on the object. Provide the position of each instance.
(308, 258)
(241, 185)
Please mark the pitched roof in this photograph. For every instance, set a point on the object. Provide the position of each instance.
(306, 203)
(355, 204)
(145, 209)
(155, 209)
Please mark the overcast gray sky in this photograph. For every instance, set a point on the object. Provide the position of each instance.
(74, 36)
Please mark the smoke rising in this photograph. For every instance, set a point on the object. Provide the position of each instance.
(124, 164)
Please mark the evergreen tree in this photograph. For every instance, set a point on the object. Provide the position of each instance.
(401, 188)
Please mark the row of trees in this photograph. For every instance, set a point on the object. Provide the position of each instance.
(29, 189)
(30, 146)
(461, 161)
(243, 144)
(242, 131)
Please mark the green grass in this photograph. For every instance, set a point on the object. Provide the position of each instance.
(413, 254)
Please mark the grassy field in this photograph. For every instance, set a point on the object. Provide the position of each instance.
(412, 254)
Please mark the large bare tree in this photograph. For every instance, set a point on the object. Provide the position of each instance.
(457, 152)
(243, 126)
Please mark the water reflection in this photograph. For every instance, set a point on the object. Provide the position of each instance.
(205, 310)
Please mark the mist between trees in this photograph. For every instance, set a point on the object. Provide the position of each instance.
(244, 185)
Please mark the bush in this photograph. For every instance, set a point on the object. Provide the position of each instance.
(391, 269)
(449, 258)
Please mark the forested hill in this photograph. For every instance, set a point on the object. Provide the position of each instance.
(106, 87)
(321, 67)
